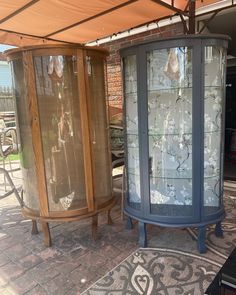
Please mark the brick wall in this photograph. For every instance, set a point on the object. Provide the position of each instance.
(114, 81)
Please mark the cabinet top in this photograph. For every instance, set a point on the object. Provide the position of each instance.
(48, 49)
(183, 38)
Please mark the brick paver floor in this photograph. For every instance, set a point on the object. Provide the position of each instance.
(75, 261)
(71, 265)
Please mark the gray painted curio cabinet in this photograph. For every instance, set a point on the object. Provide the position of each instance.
(174, 122)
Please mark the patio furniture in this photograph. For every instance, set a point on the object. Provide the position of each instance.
(224, 282)
(17, 192)
(65, 153)
(13, 189)
(8, 146)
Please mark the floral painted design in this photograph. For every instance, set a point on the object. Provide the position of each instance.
(170, 125)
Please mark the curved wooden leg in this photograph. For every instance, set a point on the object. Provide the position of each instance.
(202, 239)
(95, 227)
(218, 230)
(109, 219)
(129, 223)
(34, 230)
(47, 235)
(142, 234)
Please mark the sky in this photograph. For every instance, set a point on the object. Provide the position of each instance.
(5, 47)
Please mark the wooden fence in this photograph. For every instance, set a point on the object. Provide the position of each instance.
(6, 100)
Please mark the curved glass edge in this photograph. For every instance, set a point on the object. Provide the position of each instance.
(26, 152)
(214, 83)
(131, 122)
(99, 129)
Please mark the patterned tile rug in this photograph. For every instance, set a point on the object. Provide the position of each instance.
(171, 269)
(158, 271)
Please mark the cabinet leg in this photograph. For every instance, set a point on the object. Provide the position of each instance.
(47, 235)
(129, 223)
(34, 230)
(202, 239)
(95, 227)
(218, 230)
(142, 235)
(109, 219)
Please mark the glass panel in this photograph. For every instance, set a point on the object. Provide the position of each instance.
(30, 187)
(99, 129)
(215, 58)
(58, 100)
(131, 113)
(169, 73)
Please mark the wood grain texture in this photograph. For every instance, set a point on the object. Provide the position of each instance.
(47, 235)
(85, 129)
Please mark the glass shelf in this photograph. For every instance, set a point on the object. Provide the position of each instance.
(210, 86)
(132, 134)
(176, 134)
(134, 93)
(169, 174)
(169, 134)
(211, 176)
(174, 175)
(170, 89)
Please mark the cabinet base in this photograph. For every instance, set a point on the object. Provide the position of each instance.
(201, 238)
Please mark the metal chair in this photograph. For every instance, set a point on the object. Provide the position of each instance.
(8, 146)
(13, 188)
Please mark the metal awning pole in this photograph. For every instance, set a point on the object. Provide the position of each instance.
(192, 16)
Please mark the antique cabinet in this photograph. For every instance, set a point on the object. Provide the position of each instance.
(64, 142)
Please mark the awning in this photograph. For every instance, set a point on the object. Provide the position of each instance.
(24, 22)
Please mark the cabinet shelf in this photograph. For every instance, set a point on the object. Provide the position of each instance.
(169, 89)
(178, 134)
(179, 88)
(173, 175)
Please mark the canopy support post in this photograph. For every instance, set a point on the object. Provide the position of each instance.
(192, 17)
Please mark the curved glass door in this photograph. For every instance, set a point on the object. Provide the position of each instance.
(59, 110)
(169, 85)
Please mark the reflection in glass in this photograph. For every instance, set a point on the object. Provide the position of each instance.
(99, 129)
(169, 80)
(131, 113)
(58, 101)
(25, 137)
(215, 58)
